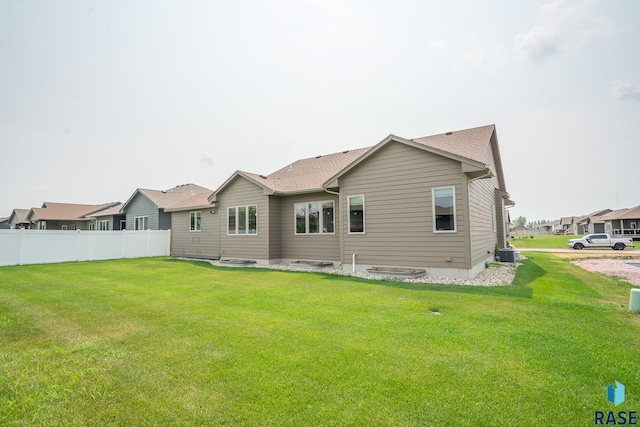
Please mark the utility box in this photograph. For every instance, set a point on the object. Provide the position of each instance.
(507, 255)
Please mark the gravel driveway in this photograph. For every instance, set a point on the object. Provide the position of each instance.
(613, 267)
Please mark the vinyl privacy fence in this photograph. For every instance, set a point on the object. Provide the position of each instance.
(19, 247)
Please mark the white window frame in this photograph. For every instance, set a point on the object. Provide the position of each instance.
(64, 227)
(196, 226)
(321, 227)
(247, 230)
(103, 225)
(364, 215)
(141, 219)
(92, 226)
(42, 225)
(433, 208)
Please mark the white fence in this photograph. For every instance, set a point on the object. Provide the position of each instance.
(19, 247)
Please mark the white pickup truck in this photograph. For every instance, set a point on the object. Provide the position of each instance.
(600, 240)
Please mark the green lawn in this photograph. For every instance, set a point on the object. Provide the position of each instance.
(544, 241)
(167, 342)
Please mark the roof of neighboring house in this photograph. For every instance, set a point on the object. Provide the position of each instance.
(593, 216)
(113, 210)
(20, 214)
(197, 201)
(566, 220)
(168, 198)
(317, 173)
(630, 213)
(65, 211)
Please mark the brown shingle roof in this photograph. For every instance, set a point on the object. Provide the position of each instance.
(469, 143)
(308, 174)
(631, 213)
(66, 211)
(20, 214)
(316, 172)
(171, 197)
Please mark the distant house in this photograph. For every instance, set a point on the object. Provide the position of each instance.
(18, 219)
(566, 224)
(4, 223)
(591, 223)
(65, 216)
(436, 203)
(110, 219)
(623, 222)
(145, 209)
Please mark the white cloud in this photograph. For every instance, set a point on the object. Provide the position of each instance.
(438, 48)
(561, 25)
(207, 159)
(625, 90)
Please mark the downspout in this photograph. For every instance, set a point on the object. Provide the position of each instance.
(353, 263)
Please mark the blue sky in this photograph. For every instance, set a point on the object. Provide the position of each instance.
(100, 98)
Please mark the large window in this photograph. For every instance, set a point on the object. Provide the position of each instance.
(314, 217)
(141, 223)
(242, 220)
(195, 221)
(103, 225)
(444, 209)
(356, 214)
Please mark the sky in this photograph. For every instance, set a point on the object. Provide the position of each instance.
(99, 98)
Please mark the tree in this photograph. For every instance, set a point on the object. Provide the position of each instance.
(520, 221)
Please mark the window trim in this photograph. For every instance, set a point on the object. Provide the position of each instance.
(433, 208)
(320, 218)
(364, 215)
(105, 223)
(247, 229)
(197, 227)
(145, 221)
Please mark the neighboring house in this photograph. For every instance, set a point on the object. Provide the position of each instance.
(623, 222)
(65, 216)
(18, 219)
(556, 228)
(145, 209)
(110, 219)
(436, 203)
(199, 227)
(591, 223)
(4, 223)
(566, 224)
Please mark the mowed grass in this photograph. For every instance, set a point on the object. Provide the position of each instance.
(542, 241)
(167, 342)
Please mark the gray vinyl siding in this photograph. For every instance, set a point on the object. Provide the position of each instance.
(142, 206)
(482, 198)
(320, 247)
(196, 244)
(164, 220)
(396, 183)
(241, 192)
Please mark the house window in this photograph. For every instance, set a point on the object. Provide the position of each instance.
(42, 225)
(63, 227)
(103, 225)
(73, 227)
(92, 226)
(141, 223)
(314, 217)
(356, 214)
(195, 221)
(444, 209)
(242, 220)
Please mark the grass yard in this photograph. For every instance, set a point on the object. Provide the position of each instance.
(543, 241)
(167, 342)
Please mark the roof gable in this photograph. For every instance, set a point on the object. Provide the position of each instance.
(168, 198)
